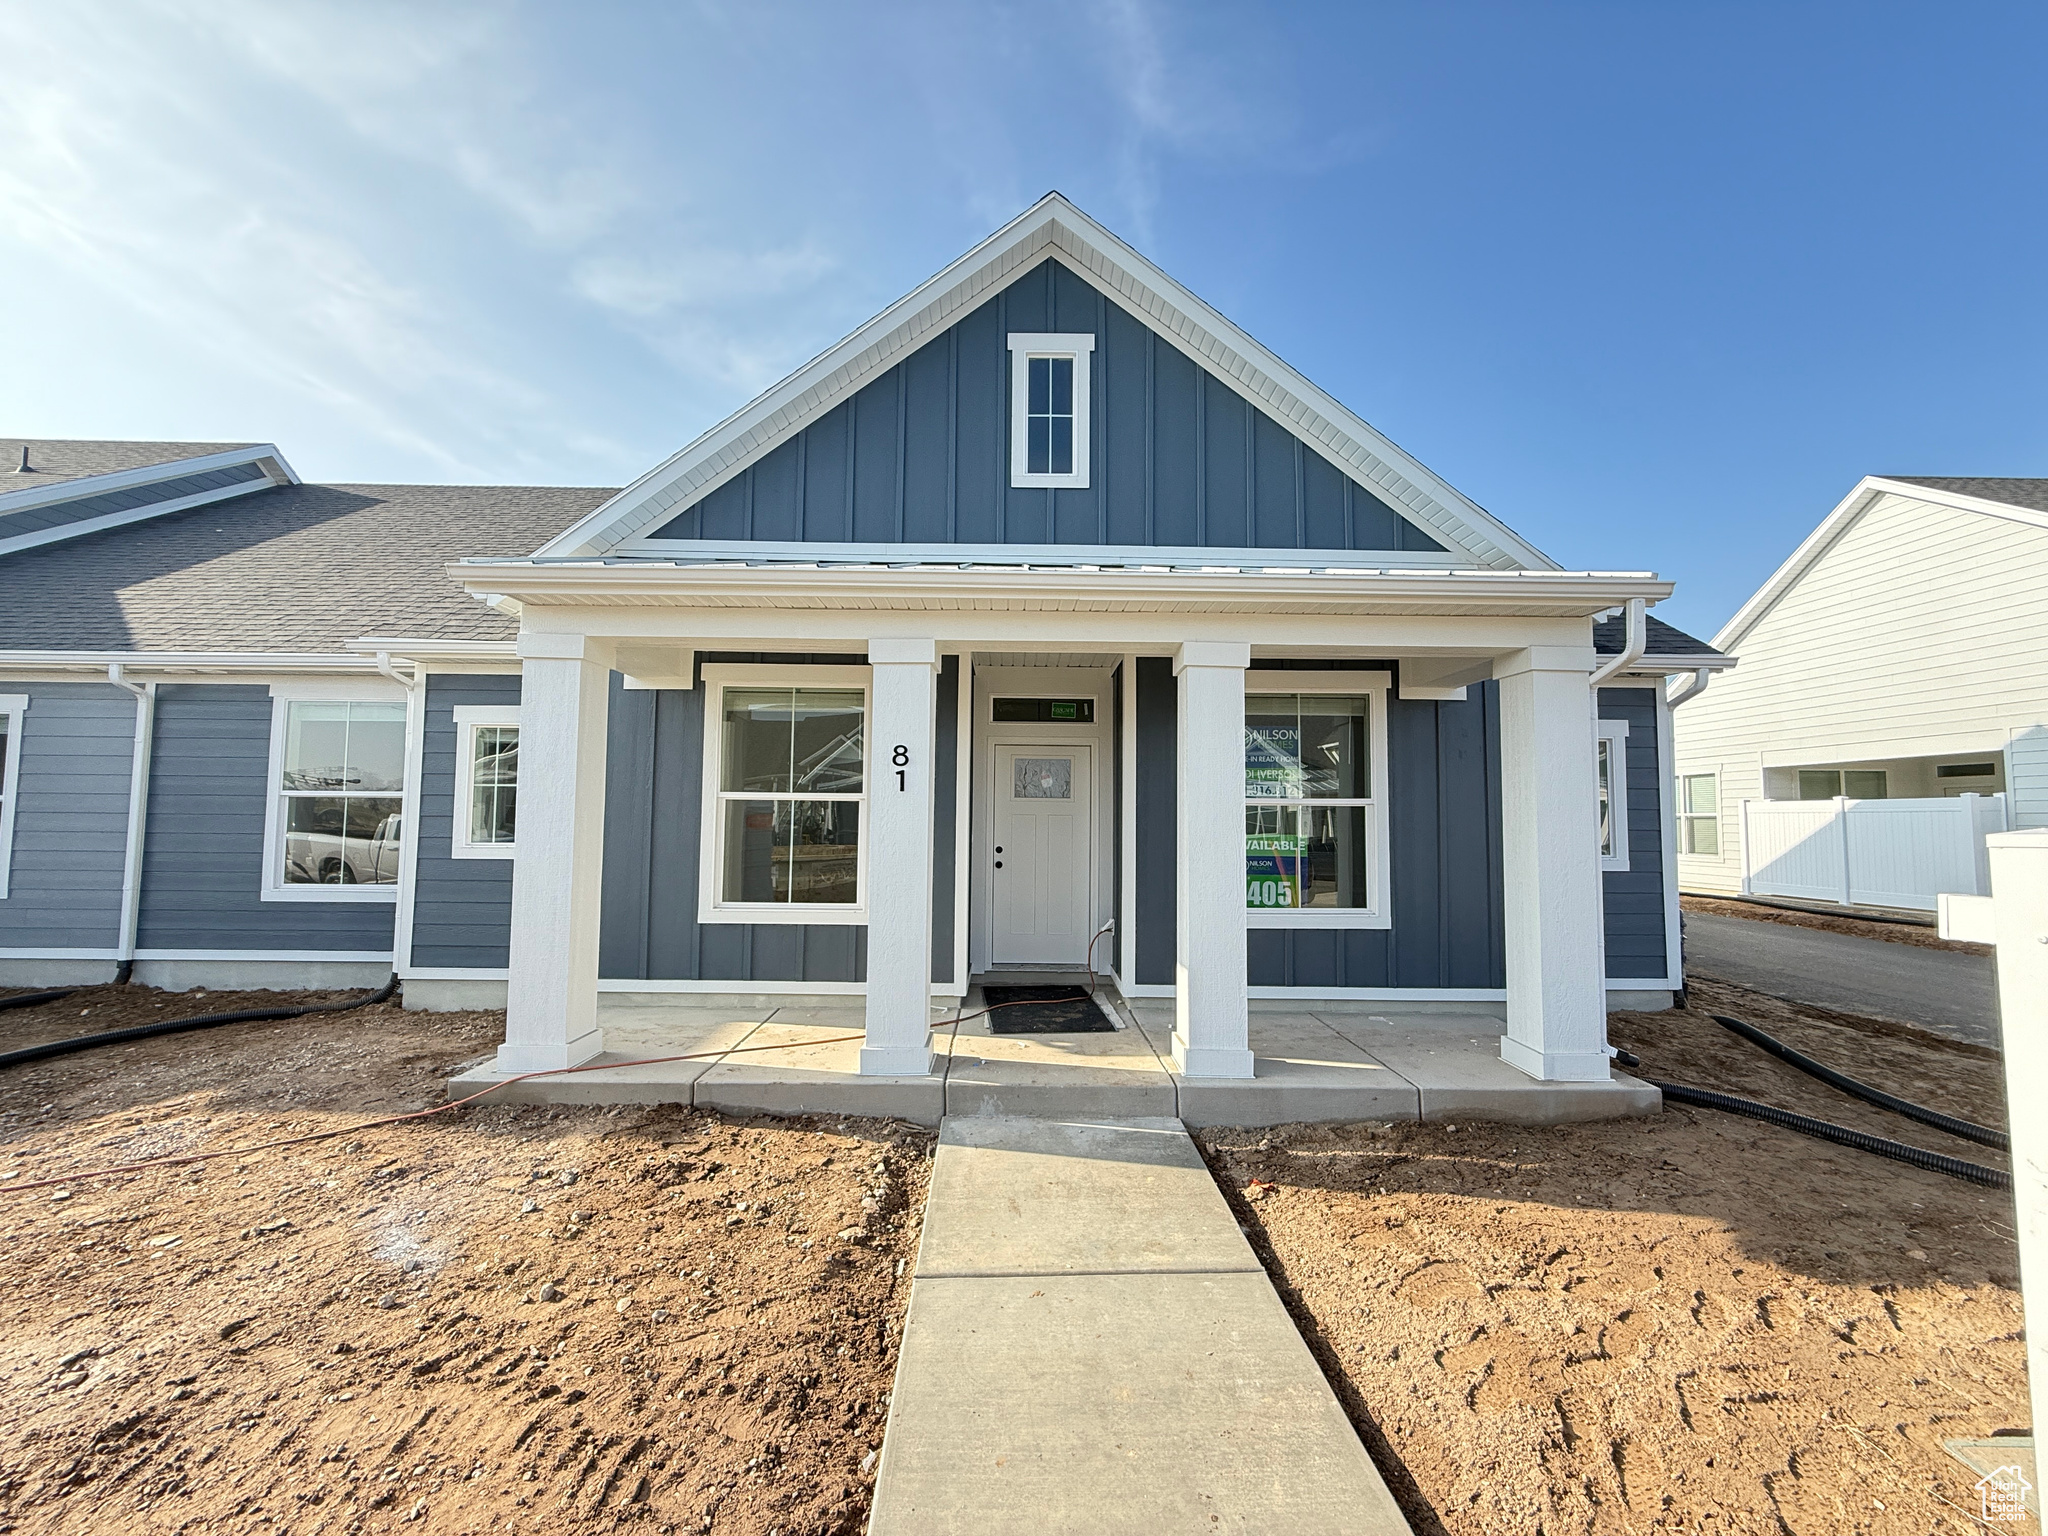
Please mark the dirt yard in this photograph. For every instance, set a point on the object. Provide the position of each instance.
(508, 1320)
(1694, 1323)
(1830, 922)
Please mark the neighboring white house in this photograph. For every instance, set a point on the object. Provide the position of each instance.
(1900, 654)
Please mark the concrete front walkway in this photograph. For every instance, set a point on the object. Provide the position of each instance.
(1092, 1347)
(1312, 1063)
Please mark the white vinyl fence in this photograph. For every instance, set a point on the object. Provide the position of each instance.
(1872, 853)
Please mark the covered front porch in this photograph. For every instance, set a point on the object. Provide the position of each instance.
(1218, 991)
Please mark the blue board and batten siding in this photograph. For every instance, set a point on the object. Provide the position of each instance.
(922, 454)
(70, 817)
(1636, 914)
(202, 868)
(462, 908)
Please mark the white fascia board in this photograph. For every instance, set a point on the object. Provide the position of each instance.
(1088, 556)
(1555, 593)
(106, 520)
(1051, 227)
(435, 650)
(265, 454)
(1867, 493)
(188, 661)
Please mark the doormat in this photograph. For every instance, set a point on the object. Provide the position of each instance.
(1045, 1011)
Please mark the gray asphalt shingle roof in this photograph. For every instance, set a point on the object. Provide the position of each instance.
(1661, 639)
(60, 459)
(2031, 494)
(291, 568)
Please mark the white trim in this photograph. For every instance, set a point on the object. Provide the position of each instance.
(468, 719)
(964, 736)
(80, 486)
(1613, 735)
(13, 707)
(718, 676)
(453, 973)
(273, 886)
(1127, 915)
(1667, 832)
(1055, 228)
(62, 531)
(409, 835)
(736, 987)
(1077, 348)
(1375, 685)
(304, 955)
(1086, 556)
(278, 663)
(24, 953)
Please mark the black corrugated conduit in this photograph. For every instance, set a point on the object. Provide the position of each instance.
(1825, 1130)
(1983, 1135)
(31, 999)
(178, 1026)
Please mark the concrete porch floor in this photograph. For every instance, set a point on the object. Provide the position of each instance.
(1312, 1064)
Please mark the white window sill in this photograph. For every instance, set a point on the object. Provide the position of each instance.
(784, 912)
(370, 893)
(503, 851)
(1315, 917)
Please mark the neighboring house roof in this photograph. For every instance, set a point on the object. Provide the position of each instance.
(55, 460)
(1663, 640)
(1055, 228)
(76, 488)
(300, 568)
(2032, 494)
(2013, 500)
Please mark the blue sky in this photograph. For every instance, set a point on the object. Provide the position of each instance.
(1655, 283)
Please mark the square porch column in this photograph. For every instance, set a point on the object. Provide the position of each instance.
(551, 1001)
(902, 727)
(1550, 866)
(1211, 1018)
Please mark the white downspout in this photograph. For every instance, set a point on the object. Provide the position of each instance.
(408, 834)
(138, 815)
(1632, 647)
(1693, 690)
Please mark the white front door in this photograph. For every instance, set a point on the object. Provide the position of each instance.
(1039, 855)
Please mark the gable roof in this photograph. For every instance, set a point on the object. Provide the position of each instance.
(75, 488)
(298, 568)
(2013, 500)
(1055, 228)
(1663, 642)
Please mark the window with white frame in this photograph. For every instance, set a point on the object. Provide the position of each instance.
(786, 794)
(1699, 814)
(338, 798)
(12, 707)
(1049, 394)
(1611, 765)
(486, 811)
(1315, 814)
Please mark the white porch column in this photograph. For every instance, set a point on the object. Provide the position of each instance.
(1211, 1022)
(1550, 858)
(551, 1007)
(901, 729)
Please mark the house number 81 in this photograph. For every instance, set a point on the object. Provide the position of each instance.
(901, 758)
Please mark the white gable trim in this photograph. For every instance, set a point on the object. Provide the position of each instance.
(1052, 227)
(1870, 490)
(276, 471)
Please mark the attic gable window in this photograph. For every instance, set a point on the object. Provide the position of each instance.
(1049, 409)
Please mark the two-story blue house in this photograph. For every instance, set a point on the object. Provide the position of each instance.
(1046, 618)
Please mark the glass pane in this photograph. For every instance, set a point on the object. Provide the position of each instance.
(1062, 385)
(1700, 798)
(1819, 783)
(1039, 370)
(376, 746)
(1038, 445)
(1864, 784)
(802, 851)
(494, 779)
(759, 734)
(829, 743)
(312, 838)
(369, 853)
(1042, 778)
(1305, 746)
(1060, 458)
(1305, 856)
(315, 746)
(1702, 835)
(1606, 759)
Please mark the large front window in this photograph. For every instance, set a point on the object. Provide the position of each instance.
(1313, 807)
(341, 794)
(791, 788)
